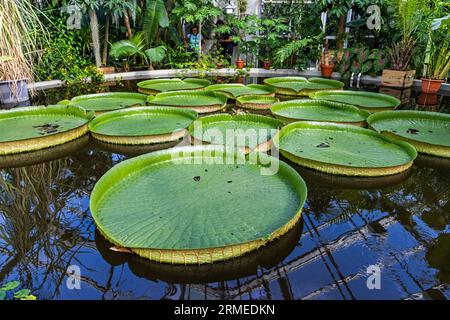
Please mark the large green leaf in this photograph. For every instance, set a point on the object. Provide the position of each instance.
(156, 54)
(370, 101)
(10, 286)
(21, 127)
(302, 86)
(154, 86)
(200, 101)
(234, 90)
(142, 121)
(240, 130)
(426, 130)
(343, 149)
(155, 16)
(102, 102)
(214, 205)
(256, 102)
(318, 110)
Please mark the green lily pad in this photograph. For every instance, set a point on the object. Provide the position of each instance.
(256, 102)
(248, 132)
(103, 102)
(155, 86)
(429, 132)
(343, 149)
(299, 86)
(214, 205)
(319, 110)
(200, 101)
(33, 128)
(10, 286)
(235, 90)
(370, 101)
(143, 125)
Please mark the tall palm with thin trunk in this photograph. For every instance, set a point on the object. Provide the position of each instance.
(91, 7)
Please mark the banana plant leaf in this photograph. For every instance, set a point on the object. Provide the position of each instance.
(343, 149)
(200, 101)
(235, 90)
(197, 217)
(299, 86)
(33, 128)
(144, 125)
(319, 110)
(155, 86)
(248, 132)
(256, 102)
(370, 101)
(103, 102)
(429, 132)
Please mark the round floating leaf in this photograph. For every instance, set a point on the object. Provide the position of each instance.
(214, 205)
(103, 102)
(155, 86)
(248, 132)
(146, 125)
(319, 110)
(235, 90)
(429, 132)
(10, 286)
(370, 101)
(256, 102)
(200, 101)
(33, 128)
(299, 86)
(343, 149)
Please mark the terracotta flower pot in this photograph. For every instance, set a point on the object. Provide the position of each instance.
(240, 64)
(431, 85)
(267, 64)
(427, 99)
(327, 70)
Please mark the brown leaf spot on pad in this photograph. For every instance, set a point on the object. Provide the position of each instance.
(412, 131)
(197, 178)
(323, 145)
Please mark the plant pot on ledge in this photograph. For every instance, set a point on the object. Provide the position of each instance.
(397, 79)
(240, 64)
(431, 85)
(267, 64)
(326, 70)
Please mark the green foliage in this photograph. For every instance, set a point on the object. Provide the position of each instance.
(362, 60)
(155, 16)
(23, 294)
(65, 57)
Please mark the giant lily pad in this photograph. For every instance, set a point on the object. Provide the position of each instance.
(247, 132)
(256, 102)
(370, 101)
(343, 149)
(155, 86)
(103, 102)
(214, 205)
(143, 125)
(34, 128)
(429, 132)
(200, 101)
(319, 110)
(299, 86)
(235, 90)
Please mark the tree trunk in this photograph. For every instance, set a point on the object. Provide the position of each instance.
(341, 32)
(201, 39)
(95, 37)
(105, 43)
(127, 24)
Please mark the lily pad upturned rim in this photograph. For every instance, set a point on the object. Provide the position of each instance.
(256, 102)
(51, 139)
(214, 106)
(262, 147)
(197, 255)
(393, 102)
(142, 84)
(433, 149)
(140, 138)
(75, 101)
(222, 87)
(338, 168)
(311, 102)
(284, 90)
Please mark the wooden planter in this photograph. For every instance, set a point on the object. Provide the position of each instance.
(404, 95)
(398, 79)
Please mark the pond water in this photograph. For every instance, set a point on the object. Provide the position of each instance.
(399, 223)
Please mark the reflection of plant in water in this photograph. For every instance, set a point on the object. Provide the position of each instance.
(10, 288)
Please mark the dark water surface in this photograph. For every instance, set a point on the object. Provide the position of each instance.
(399, 223)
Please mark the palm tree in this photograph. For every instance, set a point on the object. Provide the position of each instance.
(91, 6)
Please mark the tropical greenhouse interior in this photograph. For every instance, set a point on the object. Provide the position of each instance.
(224, 150)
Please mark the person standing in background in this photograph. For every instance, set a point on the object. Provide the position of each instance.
(193, 40)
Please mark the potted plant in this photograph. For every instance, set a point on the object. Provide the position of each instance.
(399, 76)
(326, 63)
(240, 64)
(436, 70)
